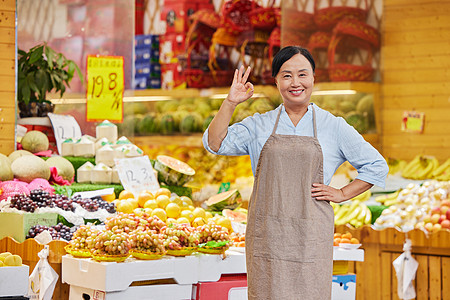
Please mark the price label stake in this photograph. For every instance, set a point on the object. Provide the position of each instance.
(64, 127)
(105, 86)
(136, 174)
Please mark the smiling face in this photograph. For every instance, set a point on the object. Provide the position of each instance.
(295, 81)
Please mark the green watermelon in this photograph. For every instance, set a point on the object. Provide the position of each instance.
(358, 121)
(173, 171)
(167, 124)
(207, 121)
(229, 199)
(188, 125)
(147, 125)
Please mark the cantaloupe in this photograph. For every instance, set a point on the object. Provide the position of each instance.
(63, 166)
(18, 153)
(28, 167)
(5, 168)
(35, 141)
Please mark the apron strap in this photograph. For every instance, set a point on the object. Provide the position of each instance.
(314, 121)
(276, 122)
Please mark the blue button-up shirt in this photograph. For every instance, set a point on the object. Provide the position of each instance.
(339, 142)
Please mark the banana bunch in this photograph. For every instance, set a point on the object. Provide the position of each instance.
(363, 196)
(442, 173)
(396, 165)
(388, 199)
(357, 214)
(421, 167)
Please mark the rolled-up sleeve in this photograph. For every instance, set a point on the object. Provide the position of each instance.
(236, 141)
(369, 163)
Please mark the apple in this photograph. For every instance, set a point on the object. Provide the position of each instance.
(435, 218)
(445, 224)
(445, 203)
(444, 209)
(426, 219)
(436, 227)
(428, 227)
(448, 214)
(419, 225)
(442, 218)
(436, 210)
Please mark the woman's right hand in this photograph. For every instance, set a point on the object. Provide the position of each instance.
(240, 90)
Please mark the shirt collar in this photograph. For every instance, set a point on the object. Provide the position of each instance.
(285, 118)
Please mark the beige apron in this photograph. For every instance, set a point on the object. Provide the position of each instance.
(289, 238)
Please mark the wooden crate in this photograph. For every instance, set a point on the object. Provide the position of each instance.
(376, 279)
(29, 250)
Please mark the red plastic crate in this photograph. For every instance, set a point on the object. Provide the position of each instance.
(218, 290)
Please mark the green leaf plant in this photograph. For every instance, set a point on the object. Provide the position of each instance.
(42, 70)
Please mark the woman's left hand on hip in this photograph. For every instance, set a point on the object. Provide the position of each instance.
(324, 192)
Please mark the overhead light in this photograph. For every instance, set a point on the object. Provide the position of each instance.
(334, 92)
(147, 98)
(223, 96)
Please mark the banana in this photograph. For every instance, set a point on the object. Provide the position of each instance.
(441, 169)
(363, 196)
(386, 197)
(444, 176)
(342, 211)
(428, 165)
(391, 202)
(368, 218)
(362, 215)
(352, 214)
(411, 165)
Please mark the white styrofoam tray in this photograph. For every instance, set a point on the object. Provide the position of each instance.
(147, 292)
(112, 276)
(14, 281)
(211, 267)
(348, 254)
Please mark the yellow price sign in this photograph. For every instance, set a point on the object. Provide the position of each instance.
(413, 121)
(105, 88)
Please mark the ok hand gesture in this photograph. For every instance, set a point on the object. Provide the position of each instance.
(240, 90)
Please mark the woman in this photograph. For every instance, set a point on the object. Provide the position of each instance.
(294, 149)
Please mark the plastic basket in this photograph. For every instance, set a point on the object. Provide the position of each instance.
(263, 18)
(236, 14)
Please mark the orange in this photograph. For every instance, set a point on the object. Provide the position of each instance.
(199, 212)
(143, 197)
(345, 241)
(354, 241)
(125, 206)
(162, 191)
(151, 204)
(183, 220)
(125, 195)
(173, 210)
(346, 235)
(160, 213)
(109, 198)
(187, 200)
(199, 221)
(337, 235)
(188, 215)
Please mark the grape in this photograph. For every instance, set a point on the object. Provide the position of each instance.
(83, 238)
(110, 243)
(146, 240)
(94, 204)
(212, 232)
(59, 231)
(177, 236)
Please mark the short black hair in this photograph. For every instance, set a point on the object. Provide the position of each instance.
(286, 53)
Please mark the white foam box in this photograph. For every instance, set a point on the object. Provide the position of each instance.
(14, 281)
(211, 267)
(148, 292)
(115, 277)
(343, 287)
(348, 254)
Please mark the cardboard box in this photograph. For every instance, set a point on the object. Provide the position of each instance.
(172, 76)
(115, 277)
(176, 14)
(17, 225)
(14, 281)
(146, 40)
(171, 46)
(227, 288)
(343, 287)
(147, 292)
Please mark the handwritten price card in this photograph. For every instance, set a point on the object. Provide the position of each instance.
(413, 121)
(105, 88)
(65, 127)
(136, 174)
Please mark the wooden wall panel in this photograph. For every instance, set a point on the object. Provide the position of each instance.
(7, 75)
(415, 58)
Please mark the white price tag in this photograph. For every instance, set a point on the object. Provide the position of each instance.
(136, 174)
(65, 127)
(98, 295)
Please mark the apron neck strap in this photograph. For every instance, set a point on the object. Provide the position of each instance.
(278, 119)
(314, 120)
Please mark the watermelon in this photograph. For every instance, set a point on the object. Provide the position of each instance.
(147, 125)
(173, 171)
(234, 215)
(229, 199)
(207, 121)
(167, 124)
(358, 121)
(188, 125)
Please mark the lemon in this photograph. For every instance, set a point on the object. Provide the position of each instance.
(138, 211)
(191, 207)
(199, 212)
(183, 220)
(208, 215)
(148, 210)
(151, 204)
(109, 198)
(176, 199)
(173, 210)
(144, 197)
(225, 222)
(188, 215)
(162, 201)
(125, 206)
(162, 191)
(171, 221)
(160, 213)
(125, 195)
(199, 221)
(134, 202)
(187, 200)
